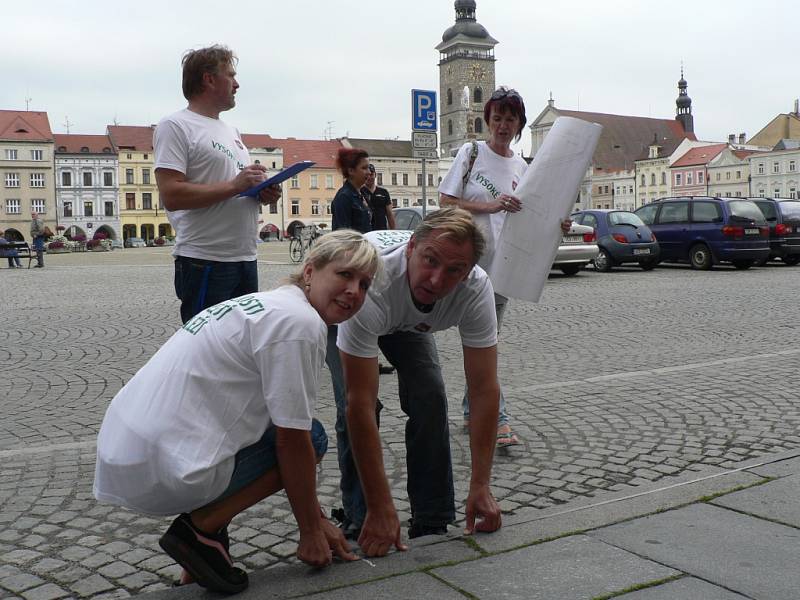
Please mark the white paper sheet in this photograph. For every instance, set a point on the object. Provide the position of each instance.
(530, 238)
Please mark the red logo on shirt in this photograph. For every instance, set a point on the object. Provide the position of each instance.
(513, 185)
(423, 328)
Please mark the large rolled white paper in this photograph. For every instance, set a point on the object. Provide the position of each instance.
(530, 238)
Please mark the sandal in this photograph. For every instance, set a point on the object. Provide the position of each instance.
(506, 437)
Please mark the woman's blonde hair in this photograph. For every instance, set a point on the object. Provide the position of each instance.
(346, 244)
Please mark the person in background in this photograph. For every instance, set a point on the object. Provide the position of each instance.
(349, 208)
(201, 167)
(482, 180)
(380, 203)
(221, 416)
(38, 235)
(10, 253)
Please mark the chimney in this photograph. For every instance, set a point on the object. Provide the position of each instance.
(797, 107)
(742, 137)
(731, 138)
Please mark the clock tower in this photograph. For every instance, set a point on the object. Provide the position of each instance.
(466, 60)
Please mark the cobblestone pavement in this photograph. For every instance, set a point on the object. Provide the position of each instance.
(613, 380)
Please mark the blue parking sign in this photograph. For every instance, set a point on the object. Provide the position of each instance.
(423, 110)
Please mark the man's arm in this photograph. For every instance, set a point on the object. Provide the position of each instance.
(480, 367)
(392, 224)
(179, 194)
(381, 528)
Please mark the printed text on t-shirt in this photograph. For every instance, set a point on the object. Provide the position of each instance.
(226, 152)
(249, 304)
(481, 180)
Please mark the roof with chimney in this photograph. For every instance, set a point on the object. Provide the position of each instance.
(699, 156)
(132, 137)
(81, 144)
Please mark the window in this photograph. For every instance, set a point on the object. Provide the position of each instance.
(380, 178)
(776, 167)
(689, 178)
(761, 193)
(145, 156)
(419, 179)
(12, 180)
(792, 192)
(760, 168)
(129, 176)
(88, 208)
(37, 155)
(405, 178)
(792, 167)
(109, 208)
(449, 96)
(295, 183)
(605, 189)
(108, 178)
(129, 156)
(652, 178)
(87, 179)
(12, 206)
(147, 201)
(37, 205)
(37, 180)
(146, 175)
(727, 194)
(478, 125)
(777, 193)
(314, 183)
(449, 127)
(11, 154)
(273, 208)
(663, 178)
(674, 212)
(644, 181)
(430, 179)
(738, 174)
(718, 175)
(295, 207)
(478, 96)
(677, 179)
(315, 207)
(394, 178)
(130, 201)
(328, 208)
(66, 179)
(329, 181)
(700, 177)
(405, 202)
(738, 194)
(67, 209)
(705, 212)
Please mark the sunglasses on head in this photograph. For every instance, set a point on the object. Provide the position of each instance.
(505, 92)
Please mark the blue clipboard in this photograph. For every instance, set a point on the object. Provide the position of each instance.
(279, 177)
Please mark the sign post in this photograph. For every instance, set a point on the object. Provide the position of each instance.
(423, 133)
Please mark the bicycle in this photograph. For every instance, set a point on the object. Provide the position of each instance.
(301, 241)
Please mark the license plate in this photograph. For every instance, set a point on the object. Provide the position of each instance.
(573, 238)
(641, 251)
(752, 231)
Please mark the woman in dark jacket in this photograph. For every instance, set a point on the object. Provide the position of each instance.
(349, 207)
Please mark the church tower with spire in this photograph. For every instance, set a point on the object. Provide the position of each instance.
(466, 60)
(684, 106)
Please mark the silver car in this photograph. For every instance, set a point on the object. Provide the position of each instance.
(577, 249)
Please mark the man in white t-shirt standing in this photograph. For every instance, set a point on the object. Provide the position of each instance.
(202, 166)
(430, 283)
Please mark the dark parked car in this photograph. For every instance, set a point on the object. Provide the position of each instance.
(783, 218)
(576, 250)
(705, 231)
(622, 238)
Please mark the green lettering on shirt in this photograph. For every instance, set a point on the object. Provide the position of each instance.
(250, 305)
(221, 148)
(490, 187)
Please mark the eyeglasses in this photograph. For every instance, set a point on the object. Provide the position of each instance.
(505, 92)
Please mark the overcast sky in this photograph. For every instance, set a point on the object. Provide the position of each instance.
(305, 63)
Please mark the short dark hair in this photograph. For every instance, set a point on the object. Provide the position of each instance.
(348, 158)
(198, 62)
(506, 99)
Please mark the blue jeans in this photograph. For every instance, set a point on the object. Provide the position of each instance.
(427, 433)
(200, 284)
(500, 303)
(38, 246)
(255, 460)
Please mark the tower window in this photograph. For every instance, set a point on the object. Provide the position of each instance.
(478, 125)
(449, 127)
(449, 96)
(478, 96)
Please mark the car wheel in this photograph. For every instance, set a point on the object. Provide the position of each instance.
(603, 262)
(701, 258)
(791, 259)
(762, 262)
(571, 269)
(743, 265)
(648, 265)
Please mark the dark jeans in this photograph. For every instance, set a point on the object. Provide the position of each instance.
(200, 284)
(427, 434)
(38, 246)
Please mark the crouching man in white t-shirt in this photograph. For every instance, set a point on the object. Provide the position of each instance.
(430, 283)
(221, 416)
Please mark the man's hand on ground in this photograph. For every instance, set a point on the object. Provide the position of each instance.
(313, 548)
(336, 541)
(482, 506)
(381, 531)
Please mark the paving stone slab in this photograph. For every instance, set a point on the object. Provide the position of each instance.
(687, 588)
(777, 500)
(751, 556)
(286, 581)
(413, 585)
(790, 466)
(573, 567)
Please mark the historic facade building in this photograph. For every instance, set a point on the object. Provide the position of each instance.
(87, 190)
(26, 172)
(466, 79)
(689, 175)
(776, 174)
(729, 173)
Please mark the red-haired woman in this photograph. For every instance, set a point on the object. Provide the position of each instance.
(349, 207)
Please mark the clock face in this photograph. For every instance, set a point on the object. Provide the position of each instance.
(477, 72)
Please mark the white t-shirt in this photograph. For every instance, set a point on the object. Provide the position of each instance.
(491, 176)
(208, 150)
(168, 440)
(389, 306)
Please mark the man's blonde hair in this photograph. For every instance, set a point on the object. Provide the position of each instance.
(455, 224)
